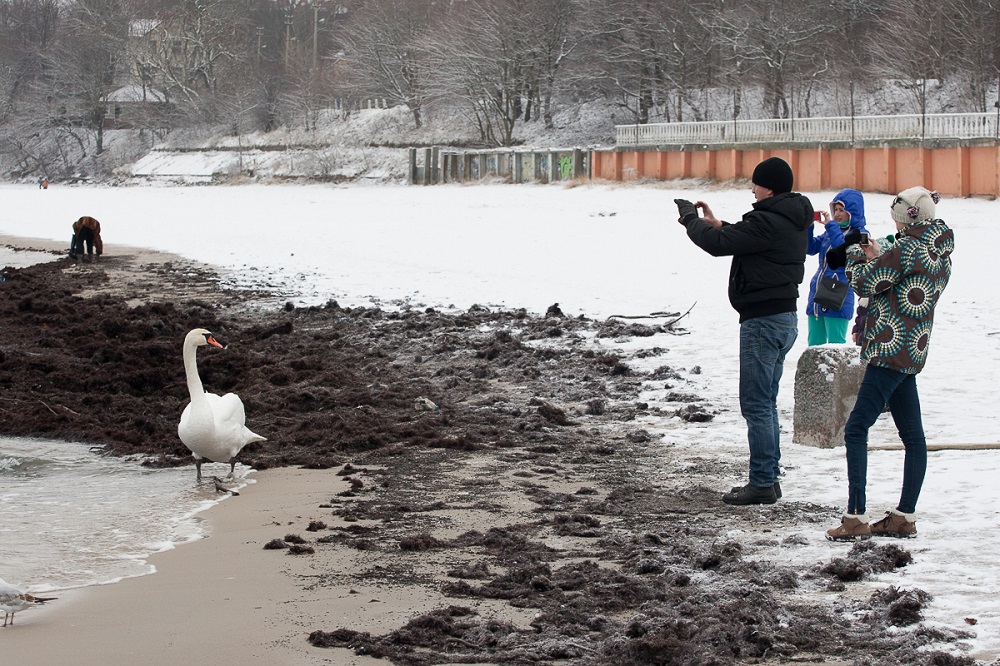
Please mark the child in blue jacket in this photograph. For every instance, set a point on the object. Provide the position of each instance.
(847, 213)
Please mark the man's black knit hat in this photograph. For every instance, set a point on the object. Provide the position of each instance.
(774, 174)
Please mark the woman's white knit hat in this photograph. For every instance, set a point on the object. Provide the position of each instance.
(915, 203)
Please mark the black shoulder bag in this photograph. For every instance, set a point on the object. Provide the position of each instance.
(830, 292)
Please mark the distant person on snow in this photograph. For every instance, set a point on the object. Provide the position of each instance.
(86, 231)
(903, 284)
(847, 213)
(768, 247)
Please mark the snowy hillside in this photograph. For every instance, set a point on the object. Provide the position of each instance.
(370, 144)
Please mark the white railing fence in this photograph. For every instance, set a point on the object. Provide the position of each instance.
(857, 128)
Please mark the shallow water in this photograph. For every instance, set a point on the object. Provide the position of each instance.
(70, 517)
(23, 258)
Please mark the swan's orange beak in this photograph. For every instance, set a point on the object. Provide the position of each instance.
(210, 339)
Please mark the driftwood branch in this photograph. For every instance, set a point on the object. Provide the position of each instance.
(984, 446)
(219, 488)
(670, 323)
(677, 316)
(651, 315)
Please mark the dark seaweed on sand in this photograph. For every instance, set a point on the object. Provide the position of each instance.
(610, 568)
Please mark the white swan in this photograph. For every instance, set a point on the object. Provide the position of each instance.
(213, 427)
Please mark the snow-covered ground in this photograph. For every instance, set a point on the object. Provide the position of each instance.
(600, 250)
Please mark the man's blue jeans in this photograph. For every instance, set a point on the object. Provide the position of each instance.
(764, 342)
(880, 387)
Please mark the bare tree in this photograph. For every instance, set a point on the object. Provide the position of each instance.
(553, 33)
(480, 58)
(383, 54)
(306, 96)
(775, 44)
(690, 58)
(92, 61)
(846, 49)
(189, 48)
(652, 57)
(27, 37)
(912, 48)
(971, 28)
(626, 54)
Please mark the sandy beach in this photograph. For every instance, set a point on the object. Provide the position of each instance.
(223, 599)
(528, 518)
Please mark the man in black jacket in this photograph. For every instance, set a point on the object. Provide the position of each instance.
(768, 247)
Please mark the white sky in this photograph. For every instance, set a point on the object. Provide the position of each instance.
(601, 250)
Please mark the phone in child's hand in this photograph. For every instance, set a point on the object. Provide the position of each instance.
(816, 216)
(865, 239)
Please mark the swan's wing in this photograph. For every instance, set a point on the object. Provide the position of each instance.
(230, 422)
(227, 408)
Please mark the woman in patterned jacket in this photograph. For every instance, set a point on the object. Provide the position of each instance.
(903, 286)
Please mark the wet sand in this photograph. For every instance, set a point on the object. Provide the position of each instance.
(222, 600)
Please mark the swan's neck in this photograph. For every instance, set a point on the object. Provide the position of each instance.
(195, 388)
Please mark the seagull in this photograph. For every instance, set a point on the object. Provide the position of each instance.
(13, 599)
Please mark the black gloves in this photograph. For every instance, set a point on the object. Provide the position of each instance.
(686, 210)
(852, 238)
(837, 256)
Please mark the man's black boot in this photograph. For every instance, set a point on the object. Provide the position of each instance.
(751, 495)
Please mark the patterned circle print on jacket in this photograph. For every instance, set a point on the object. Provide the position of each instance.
(903, 286)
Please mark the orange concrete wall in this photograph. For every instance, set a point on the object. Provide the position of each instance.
(910, 165)
(809, 170)
(981, 177)
(954, 170)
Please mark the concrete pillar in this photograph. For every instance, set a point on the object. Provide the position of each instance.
(964, 175)
(889, 158)
(661, 165)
